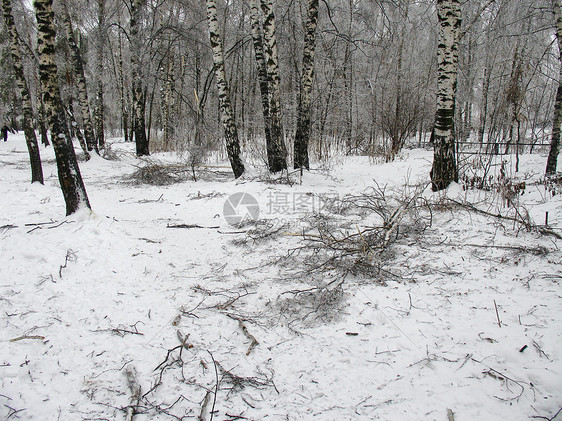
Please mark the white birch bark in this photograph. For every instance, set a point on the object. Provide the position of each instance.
(302, 134)
(27, 123)
(257, 37)
(70, 178)
(138, 96)
(83, 100)
(444, 170)
(227, 119)
(279, 150)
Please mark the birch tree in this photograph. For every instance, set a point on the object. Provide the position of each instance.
(230, 130)
(99, 111)
(83, 100)
(278, 149)
(139, 103)
(257, 37)
(70, 178)
(27, 123)
(444, 169)
(552, 161)
(302, 134)
(167, 98)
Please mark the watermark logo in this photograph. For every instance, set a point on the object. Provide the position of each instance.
(241, 207)
(299, 203)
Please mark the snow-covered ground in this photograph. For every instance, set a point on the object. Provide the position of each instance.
(462, 323)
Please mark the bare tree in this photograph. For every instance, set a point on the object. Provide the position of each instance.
(444, 170)
(557, 120)
(278, 149)
(100, 111)
(83, 100)
(29, 131)
(230, 130)
(257, 37)
(302, 135)
(139, 96)
(70, 178)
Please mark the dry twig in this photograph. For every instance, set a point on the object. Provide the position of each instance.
(135, 388)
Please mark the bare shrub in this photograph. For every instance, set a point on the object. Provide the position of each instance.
(158, 174)
(393, 216)
(313, 305)
(553, 184)
(110, 154)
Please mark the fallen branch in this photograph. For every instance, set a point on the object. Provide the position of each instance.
(13, 411)
(450, 415)
(70, 257)
(122, 332)
(21, 338)
(203, 412)
(216, 385)
(500, 376)
(135, 388)
(41, 224)
(497, 314)
(36, 224)
(539, 251)
(7, 227)
(190, 226)
(518, 219)
(247, 334)
(151, 200)
(183, 340)
(547, 418)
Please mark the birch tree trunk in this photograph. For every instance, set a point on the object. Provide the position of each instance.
(167, 99)
(257, 36)
(124, 110)
(484, 106)
(278, 149)
(347, 72)
(302, 135)
(27, 123)
(70, 179)
(230, 131)
(552, 161)
(444, 170)
(81, 81)
(139, 124)
(99, 112)
(74, 130)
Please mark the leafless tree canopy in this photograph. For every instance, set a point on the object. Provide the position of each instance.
(370, 86)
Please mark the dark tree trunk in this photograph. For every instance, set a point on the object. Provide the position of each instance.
(302, 135)
(70, 178)
(552, 161)
(139, 123)
(257, 36)
(167, 99)
(124, 111)
(100, 137)
(27, 123)
(278, 149)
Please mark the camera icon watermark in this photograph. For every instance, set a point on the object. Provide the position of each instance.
(241, 207)
(283, 207)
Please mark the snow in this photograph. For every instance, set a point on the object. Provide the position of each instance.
(440, 334)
